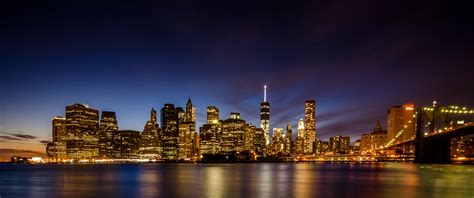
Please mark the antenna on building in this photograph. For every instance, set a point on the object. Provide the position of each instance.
(264, 93)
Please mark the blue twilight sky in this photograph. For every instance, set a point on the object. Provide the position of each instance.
(355, 58)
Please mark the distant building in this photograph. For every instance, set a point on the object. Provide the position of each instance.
(209, 135)
(310, 126)
(397, 118)
(82, 126)
(126, 144)
(278, 144)
(300, 138)
(374, 140)
(170, 135)
(149, 144)
(212, 115)
(108, 125)
(233, 130)
(260, 143)
(57, 148)
(288, 150)
(265, 116)
(339, 144)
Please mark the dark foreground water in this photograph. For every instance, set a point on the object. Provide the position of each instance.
(237, 180)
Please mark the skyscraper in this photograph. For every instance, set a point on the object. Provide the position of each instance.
(288, 140)
(212, 115)
(278, 145)
(233, 130)
(82, 125)
(59, 138)
(108, 125)
(339, 144)
(399, 116)
(209, 134)
(149, 144)
(300, 138)
(126, 144)
(265, 115)
(310, 126)
(170, 136)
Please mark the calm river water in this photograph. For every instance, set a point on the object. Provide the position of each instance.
(369, 180)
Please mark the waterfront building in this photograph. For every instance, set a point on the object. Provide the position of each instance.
(300, 138)
(212, 115)
(339, 144)
(374, 140)
(108, 125)
(278, 144)
(82, 126)
(149, 144)
(169, 122)
(288, 150)
(232, 138)
(57, 148)
(209, 135)
(126, 144)
(398, 117)
(265, 116)
(249, 138)
(260, 143)
(310, 126)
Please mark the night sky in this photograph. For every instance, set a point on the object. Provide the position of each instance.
(354, 58)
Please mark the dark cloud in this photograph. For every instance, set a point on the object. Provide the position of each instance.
(18, 136)
(9, 137)
(44, 142)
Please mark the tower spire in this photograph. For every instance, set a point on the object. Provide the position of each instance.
(264, 93)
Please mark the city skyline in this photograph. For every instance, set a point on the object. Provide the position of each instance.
(354, 59)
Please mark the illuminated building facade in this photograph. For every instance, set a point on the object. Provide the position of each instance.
(265, 116)
(82, 126)
(288, 150)
(249, 138)
(170, 135)
(300, 138)
(212, 115)
(209, 135)
(126, 144)
(260, 142)
(374, 140)
(108, 125)
(232, 138)
(57, 149)
(278, 142)
(339, 144)
(149, 144)
(310, 126)
(399, 116)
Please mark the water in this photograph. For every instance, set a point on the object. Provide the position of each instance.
(237, 180)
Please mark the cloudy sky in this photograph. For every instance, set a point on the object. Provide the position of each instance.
(354, 58)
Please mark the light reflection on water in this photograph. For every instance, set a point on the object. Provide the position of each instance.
(237, 180)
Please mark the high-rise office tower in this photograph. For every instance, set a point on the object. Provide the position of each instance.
(300, 138)
(190, 121)
(126, 144)
(108, 125)
(399, 116)
(288, 140)
(59, 138)
(265, 115)
(170, 136)
(233, 131)
(149, 144)
(310, 126)
(278, 145)
(212, 115)
(82, 125)
(339, 144)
